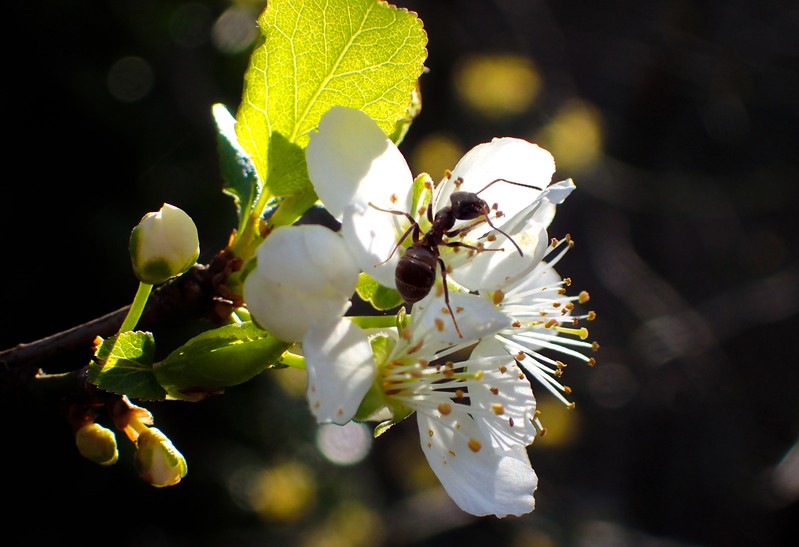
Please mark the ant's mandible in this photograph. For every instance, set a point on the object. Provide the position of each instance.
(416, 269)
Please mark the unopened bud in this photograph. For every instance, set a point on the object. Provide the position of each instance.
(157, 460)
(97, 443)
(163, 245)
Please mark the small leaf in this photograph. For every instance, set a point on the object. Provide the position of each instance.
(123, 364)
(218, 358)
(238, 170)
(381, 298)
(312, 55)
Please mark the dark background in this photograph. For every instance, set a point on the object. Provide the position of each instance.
(684, 240)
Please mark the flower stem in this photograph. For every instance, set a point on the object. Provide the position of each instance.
(292, 360)
(136, 308)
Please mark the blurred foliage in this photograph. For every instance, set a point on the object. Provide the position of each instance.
(678, 121)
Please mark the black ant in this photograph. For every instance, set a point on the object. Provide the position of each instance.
(416, 269)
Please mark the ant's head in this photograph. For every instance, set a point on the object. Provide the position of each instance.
(468, 206)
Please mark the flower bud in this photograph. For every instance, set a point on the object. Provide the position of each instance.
(97, 443)
(157, 460)
(305, 276)
(163, 245)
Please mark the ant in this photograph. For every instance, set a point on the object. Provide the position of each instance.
(416, 269)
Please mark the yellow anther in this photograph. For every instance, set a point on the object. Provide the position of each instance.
(474, 445)
(498, 409)
(444, 408)
(497, 297)
(581, 333)
(551, 323)
(591, 315)
(583, 297)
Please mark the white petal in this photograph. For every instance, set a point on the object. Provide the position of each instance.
(505, 392)
(340, 367)
(371, 236)
(505, 158)
(491, 270)
(310, 258)
(480, 479)
(476, 318)
(351, 159)
(286, 312)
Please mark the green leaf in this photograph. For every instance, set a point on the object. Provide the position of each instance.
(315, 54)
(381, 298)
(238, 170)
(216, 359)
(123, 364)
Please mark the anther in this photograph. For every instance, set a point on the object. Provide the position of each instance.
(439, 324)
(591, 315)
(498, 409)
(595, 346)
(444, 408)
(494, 390)
(583, 297)
(497, 297)
(474, 445)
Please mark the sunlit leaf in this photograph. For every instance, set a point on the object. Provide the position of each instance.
(312, 55)
(123, 364)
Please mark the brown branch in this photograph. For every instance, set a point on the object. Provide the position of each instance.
(197, 293)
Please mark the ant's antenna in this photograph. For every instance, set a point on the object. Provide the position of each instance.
(510, 182)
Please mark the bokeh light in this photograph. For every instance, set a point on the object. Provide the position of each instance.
(574, 136)
(344, 444)
(434, 154)
(130, 79)
(235, 30)
(497, 85)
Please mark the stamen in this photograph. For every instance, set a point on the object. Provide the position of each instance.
(474, 445)
(444, 408)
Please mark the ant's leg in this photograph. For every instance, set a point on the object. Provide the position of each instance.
(487, 220)
(446, 296)
(467, 246)
(414, 227)
(509, 182)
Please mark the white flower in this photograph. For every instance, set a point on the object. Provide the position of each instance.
(356, 171)
(304, 275)
(163, 245)
(475, 417)
(544, 331)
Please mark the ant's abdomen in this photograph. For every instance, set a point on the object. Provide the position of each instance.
(416, 273)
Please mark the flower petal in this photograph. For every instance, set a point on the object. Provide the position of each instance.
(491, 270)
(505, 392)
(340, 366)
(480, 479)
(309, 257)
(286, 312)
(372, 236)
(507, 158)
(476, 317)
(350, 159)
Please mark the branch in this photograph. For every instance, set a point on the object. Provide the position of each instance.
(200, 292)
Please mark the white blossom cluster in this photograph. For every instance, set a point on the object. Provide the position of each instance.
(503, 304)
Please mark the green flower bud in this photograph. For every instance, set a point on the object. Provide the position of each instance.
(157, 460)
(163, 245)
(97, 443)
